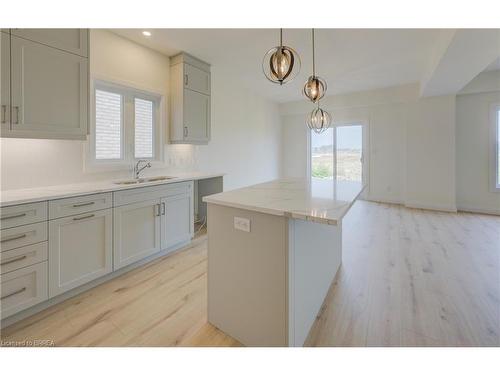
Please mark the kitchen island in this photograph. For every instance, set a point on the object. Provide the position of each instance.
(273, 252)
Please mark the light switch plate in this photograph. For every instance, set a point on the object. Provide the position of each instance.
(241, 223)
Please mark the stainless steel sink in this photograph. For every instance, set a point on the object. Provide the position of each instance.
(143, 180)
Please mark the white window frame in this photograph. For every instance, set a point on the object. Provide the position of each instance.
(365, 152)
(494, 146)
(128, 159)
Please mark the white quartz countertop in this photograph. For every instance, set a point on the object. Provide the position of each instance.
(322, 201)
(20, 196)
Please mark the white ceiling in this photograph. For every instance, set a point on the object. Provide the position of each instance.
(349, 59)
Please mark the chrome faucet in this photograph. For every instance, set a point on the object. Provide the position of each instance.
(138, 170)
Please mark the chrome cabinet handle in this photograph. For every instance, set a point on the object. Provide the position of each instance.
(185, 131)
(157, 209)
(83, 204)
(83, 217)
(13, 216)
(13, 238)
(13, 293)
(4, 113)
(163, 208)
(17, 115)
(186, 79)
(16, 259)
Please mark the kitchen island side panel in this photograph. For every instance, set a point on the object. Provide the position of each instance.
(247, 276)
(315, 255)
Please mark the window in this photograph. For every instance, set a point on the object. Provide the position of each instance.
(338, 151)
(108, 125)
(126, 125)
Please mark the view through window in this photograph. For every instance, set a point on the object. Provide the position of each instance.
(340, 147)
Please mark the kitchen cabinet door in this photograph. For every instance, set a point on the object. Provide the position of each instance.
(196, 116)
(136, 232)
(196, 79)
(176, 220)
(49, 92)
(5, 82)
(80, 250)
(69, 40)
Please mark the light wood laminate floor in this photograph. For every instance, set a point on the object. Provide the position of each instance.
(409, 278)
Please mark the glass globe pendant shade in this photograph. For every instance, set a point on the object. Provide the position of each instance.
(281, 64)
(319, 120)
(315, 88)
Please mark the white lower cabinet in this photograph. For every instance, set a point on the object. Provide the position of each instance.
(136, 232)
(176, 220)
(23, 288)
(80, 250)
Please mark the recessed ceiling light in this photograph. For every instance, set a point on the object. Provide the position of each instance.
(146, 33)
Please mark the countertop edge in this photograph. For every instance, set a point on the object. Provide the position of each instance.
(112, 188)
(289, 214)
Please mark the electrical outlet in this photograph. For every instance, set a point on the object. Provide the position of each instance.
(241, 223)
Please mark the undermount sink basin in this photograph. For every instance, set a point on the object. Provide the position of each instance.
(143, 180)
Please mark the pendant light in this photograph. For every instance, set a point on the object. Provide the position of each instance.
(281, 64)
(319, 120)
(315, 87)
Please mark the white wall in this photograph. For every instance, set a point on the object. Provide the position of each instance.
(240, 120)
(473, 154)
(411, 143)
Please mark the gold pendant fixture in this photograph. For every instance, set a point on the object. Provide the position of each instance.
(315, 87)
(319, 120)
(281, 64)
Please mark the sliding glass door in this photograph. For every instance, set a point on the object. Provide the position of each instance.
(338, 152)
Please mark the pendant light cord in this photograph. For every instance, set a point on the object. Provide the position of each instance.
(281, 37)
(314, 70)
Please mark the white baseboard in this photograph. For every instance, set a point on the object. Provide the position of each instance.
(433, 207)
(487, 211)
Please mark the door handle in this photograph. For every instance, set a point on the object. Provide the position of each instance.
(16, 108)
(83, 204)
(13, 216)
(14, 238)
(16, 259)
(83, 217)
(4, 113)
(163, 208)
(13, 293)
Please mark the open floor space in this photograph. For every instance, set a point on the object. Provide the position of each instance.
(409, 277)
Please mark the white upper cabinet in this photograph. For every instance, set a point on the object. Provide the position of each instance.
(196, 117)
(49, 91)
(69, 40)
(190, 100)
(196, 79)
(5, 82)
(44, 83)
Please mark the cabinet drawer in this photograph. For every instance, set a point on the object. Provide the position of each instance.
(22, 236)
(151, 192)
(14, 216)
(22, 257)
(23, 288)
(79, 205)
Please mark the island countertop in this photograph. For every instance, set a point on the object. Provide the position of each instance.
(322, 201)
